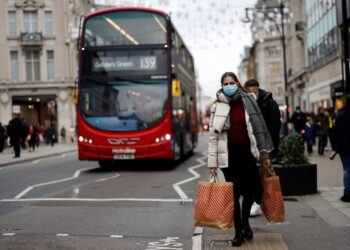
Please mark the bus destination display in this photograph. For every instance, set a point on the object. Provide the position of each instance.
(124, 63)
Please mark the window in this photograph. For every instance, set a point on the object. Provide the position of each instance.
(30, 21)
(12, 23)
(32, 65)
(275, 68)
(50, 65)
(125, 28)
(14, 66)
(48, 23)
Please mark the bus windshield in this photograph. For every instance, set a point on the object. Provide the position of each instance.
(125, 28)
(123, 105)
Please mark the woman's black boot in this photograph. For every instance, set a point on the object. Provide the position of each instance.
(239, 239)
(247, 231)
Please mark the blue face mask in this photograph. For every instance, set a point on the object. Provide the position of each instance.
(230, 90)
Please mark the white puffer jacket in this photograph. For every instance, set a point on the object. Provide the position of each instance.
(218, 136)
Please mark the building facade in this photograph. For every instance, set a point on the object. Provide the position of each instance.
(323, 53)
(39, 61)
(265, 61)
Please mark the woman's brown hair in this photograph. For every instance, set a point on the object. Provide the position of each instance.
(234, 77)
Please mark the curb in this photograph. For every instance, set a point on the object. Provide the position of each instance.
(4, 165)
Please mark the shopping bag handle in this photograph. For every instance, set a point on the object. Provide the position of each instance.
(270, 171)
(214, 179)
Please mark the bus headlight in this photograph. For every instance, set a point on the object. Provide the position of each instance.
(166, 137)
(84, 139)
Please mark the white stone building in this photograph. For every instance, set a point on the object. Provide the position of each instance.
(39, 60)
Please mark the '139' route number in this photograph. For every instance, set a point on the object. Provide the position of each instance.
(168, 243)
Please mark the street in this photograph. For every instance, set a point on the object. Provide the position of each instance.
(59, 202)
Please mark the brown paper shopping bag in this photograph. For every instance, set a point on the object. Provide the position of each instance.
(272, 203)
(214, 204)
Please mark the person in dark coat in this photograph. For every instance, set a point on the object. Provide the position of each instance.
(342, 144)
(14, 130)
(322, 120)
(308, 132)
(272, 116)
(298, 119)
(270, 111)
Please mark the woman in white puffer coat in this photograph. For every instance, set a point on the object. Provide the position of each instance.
(238, 138)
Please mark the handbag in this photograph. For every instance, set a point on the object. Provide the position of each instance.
(272, 203)
(214, 204)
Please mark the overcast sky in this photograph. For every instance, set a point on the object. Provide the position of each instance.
(212, 29)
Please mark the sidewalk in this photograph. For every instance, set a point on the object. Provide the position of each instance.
(6, 157)
(319, 221)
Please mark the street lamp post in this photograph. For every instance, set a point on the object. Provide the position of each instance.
(281, 11)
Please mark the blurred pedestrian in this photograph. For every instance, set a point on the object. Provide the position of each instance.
(50, 136)
(284, 125)
(298, 119)
(2, 137)
(271, 113)
(322, 130)
(63, 133)
(342, 144)
(238, 137)
(24, 133)
(331, 123)
(308, 132)
(14, 129)
(33, 133)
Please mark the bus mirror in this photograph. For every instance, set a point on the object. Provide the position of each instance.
(75, 91)
(75, 95)
(176, 87)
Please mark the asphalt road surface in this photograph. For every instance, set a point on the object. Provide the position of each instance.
(63, 203)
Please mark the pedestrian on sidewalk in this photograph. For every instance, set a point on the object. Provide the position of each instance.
(272, 117)
(298, 119)
(15, 133)
(63, 133)
(238, 138)
(342, 144)
(308, 133)
(33, 133)
(322, 129)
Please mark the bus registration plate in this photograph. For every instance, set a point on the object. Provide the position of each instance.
(124, 157)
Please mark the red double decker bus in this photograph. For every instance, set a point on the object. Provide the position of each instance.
(136, 85)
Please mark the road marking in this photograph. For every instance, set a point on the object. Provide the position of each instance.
(99, 200)
(62, 235)
(116, 236)
(75, 192)
(168, 243)
(176, 185)
(35, 162)
(8, 234)
(197, 242)
(28, 189)
(108, 178)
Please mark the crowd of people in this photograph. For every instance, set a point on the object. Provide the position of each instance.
(20, 135)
